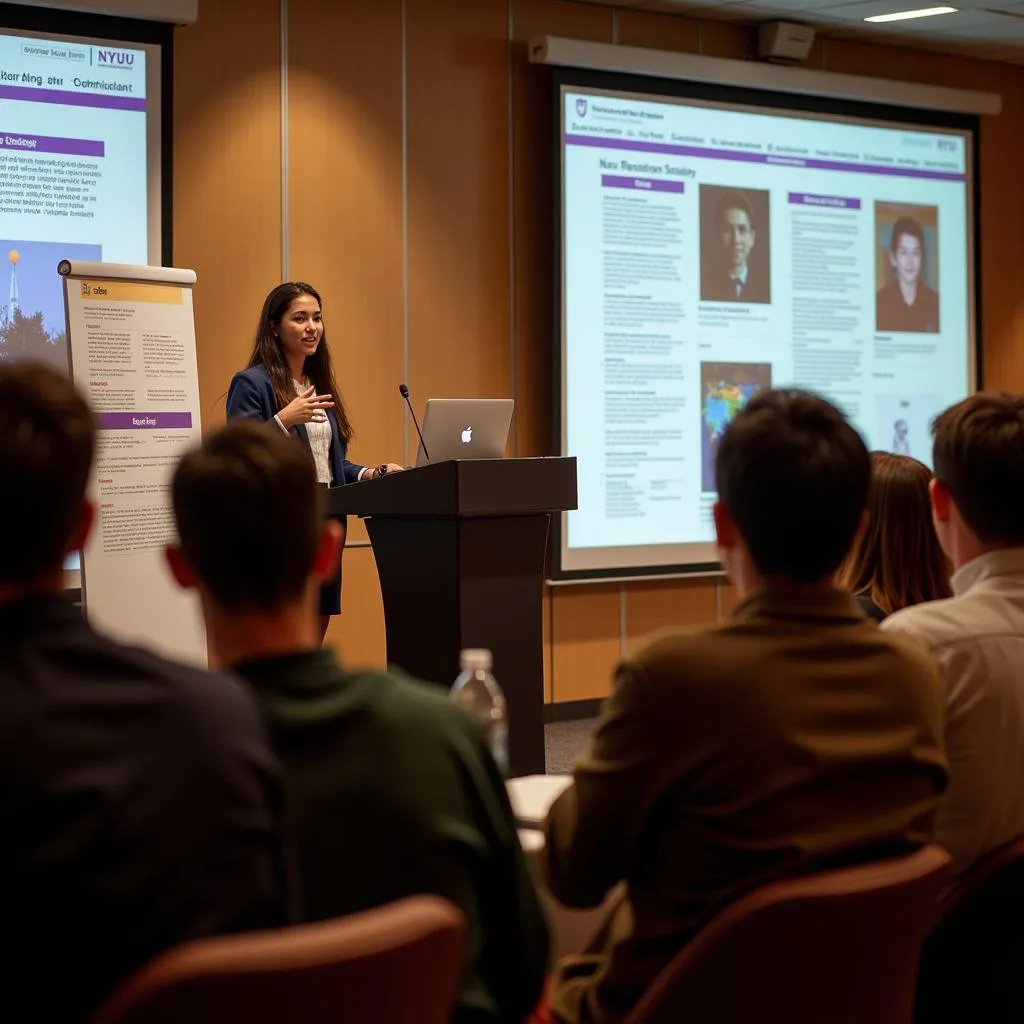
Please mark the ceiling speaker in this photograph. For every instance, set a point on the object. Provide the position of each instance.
(784, 42)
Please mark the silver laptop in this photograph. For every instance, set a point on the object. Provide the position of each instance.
(465, 428)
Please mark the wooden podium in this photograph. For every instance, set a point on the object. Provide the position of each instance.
(460, 551)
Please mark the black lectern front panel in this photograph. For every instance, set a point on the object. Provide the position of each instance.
(460, 553)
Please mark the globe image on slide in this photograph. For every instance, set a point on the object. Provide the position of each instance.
(725, 390)
(722, 403)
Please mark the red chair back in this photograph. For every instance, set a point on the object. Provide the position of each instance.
(972, 964)
(838, 946)
(399, 963)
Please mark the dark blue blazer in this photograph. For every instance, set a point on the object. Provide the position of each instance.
(252, 394)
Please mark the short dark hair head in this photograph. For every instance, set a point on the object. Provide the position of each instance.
(734, 200)
(249, 512)
(794, 476)
(978, 454)
(47, 439)
(906, 226)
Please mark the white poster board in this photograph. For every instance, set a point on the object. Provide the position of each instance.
(131, 337)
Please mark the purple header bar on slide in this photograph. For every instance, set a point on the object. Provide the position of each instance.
(144, 420)
(830, 202)
(50, 144)
(706, 153)
(113, 101)
(644, 184)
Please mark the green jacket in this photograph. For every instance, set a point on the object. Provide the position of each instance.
(393, 792)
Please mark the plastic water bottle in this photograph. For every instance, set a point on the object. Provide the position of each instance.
(479, 693)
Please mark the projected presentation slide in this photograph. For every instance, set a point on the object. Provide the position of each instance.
(73, 178)
(710, 252)
(79, 179)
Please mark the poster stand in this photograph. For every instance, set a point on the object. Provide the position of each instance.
(131, 339)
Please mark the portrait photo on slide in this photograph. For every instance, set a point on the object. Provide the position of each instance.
(735, 245)
(906, 268)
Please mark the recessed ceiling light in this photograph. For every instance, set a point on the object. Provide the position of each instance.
(922, 12)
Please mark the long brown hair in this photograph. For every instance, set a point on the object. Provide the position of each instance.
(267, 353)
(898, 562)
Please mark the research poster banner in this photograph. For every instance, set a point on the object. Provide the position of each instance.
(131, 338)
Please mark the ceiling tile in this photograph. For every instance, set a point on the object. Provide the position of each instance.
(870, 8)
(991, 29)
(798, 9)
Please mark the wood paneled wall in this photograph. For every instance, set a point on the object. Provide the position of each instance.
(397, 154)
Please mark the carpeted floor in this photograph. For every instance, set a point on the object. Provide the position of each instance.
(564, 742)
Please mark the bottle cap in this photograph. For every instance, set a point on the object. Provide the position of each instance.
(476, 659)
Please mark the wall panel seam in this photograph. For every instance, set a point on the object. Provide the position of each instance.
(405, 231)
(284, 141)
(512, 282)
(623, 620)
(551, 642)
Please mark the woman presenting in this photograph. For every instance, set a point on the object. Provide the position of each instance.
(289, 380)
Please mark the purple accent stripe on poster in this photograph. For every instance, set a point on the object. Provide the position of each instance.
(828, 202)
(707, 153)
(50, 144)
(71, 99)
(645, 184)
(144, 420)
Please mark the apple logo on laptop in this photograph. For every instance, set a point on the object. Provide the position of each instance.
(467, 435)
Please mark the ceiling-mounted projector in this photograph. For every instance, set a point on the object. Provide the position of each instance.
(784, 42)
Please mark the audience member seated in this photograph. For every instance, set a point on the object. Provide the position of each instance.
(793, 737)
(977, 635)
(392, 788)
(139, 797)
(897, 561)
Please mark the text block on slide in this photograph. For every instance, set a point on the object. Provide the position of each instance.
(131, 336)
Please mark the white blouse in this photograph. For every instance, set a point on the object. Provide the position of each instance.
(319, 435)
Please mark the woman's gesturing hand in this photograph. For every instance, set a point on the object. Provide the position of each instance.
(307, 408)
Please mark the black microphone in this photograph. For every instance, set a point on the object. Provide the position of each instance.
(403, 390)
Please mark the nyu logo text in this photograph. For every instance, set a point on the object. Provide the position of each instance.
(115, 58)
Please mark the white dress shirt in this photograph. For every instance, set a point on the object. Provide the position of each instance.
(977, 637)
(739, 279)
